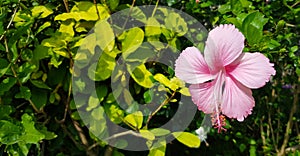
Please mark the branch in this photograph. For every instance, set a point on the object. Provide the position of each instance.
(97, 11)
(11, 20)
(292, 149)
(160, 106)
(66, 3)
(129, 132)
(290, 122)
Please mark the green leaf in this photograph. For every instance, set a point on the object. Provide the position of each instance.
(158, 148)
(66, 30)
(152, 27)
(24, 71)
(147, 134)
(223, 9)
(97, 113)
(273, 44)
(41, 11)
(6, 84)
(48, 135)
(127, 97)
(114, 113)
(252, 27)
(148, 96)
(24, 93)
(4, 66)
(9, 132)
(141, 54)
(93, 101)
(101, 91)
(137, 14)
(160, 131)
(32, 135)
(23, 147)
(133, 39)
(40, 84)
(113, 4)
(102, 69)
(141, 75)
(135, 119)
(40, 52)
(176, 24)
(185, 91)
(105, 39)
(187, 139)
(5, 110)
(39, 97)
(166, 82)
(43, 26)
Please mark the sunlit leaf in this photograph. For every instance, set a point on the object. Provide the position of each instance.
(141, 75)
(135, 119)
(32, 135)
(187, 139)
(253, 27)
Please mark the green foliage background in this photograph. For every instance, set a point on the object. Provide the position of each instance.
(39, 42)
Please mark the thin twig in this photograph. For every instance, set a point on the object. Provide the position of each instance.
(78, 145)
(131, 7)
(154, 10)
(66, 3)
(270, 121)
(290, 121)
(295, 4)
(160, 106)
(11, 20)
(97, 11)
(81, 133)
(262, 135)
(129, 132)
(18, 80)
(109, 150)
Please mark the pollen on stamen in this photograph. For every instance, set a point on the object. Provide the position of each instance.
(218, 121)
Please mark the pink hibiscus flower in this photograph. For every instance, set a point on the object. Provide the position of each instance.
(222, 79)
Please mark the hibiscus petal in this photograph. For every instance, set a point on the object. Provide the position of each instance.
(237, 100)
(252, 69)
(224, 44)
(202, 96)
(207, 96)
(191, 67)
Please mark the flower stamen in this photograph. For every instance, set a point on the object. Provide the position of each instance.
(218, 121)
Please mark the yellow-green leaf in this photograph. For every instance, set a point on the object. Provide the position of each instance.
(141, 75)
(152, 27)
(135, 119)
(158, 148)
(105, 36)
(187, 139)
(165, 81)
(147, 134)
(41, 11)
(133, 39)
(159, 131)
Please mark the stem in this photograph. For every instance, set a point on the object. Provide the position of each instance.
(160, 106)
(18, 80)
(131, 7)
(262, 135)
(11, 20)
(66, 3)
(290, 122)
(154, 10)
(129, 132)
(97, 11)
(109, 150)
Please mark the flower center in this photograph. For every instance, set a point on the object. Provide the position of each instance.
(218, 120)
